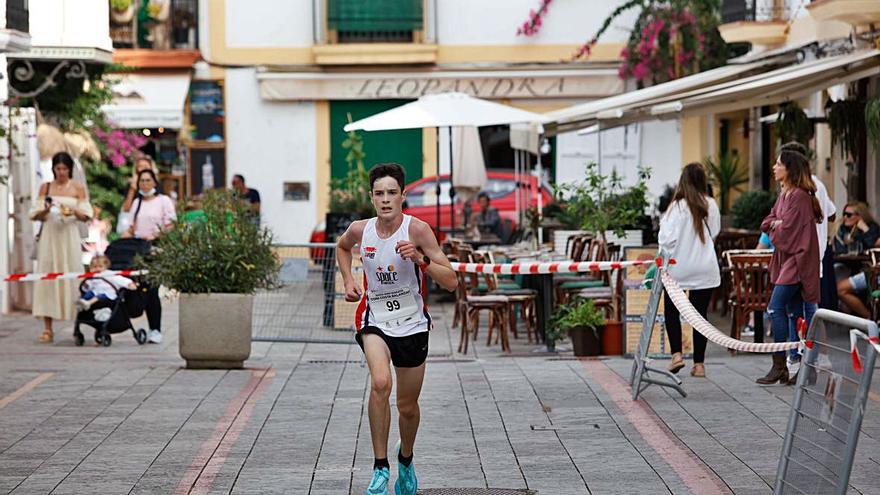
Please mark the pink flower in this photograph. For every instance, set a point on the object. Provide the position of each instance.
(640, 71)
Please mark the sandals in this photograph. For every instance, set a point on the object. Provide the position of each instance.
(677, 363)
(47, 337)
(698, 371)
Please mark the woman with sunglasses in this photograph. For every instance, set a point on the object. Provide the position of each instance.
(856, 233)
(794, 268)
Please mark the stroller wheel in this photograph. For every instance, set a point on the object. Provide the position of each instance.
(106, 340)
(79, 339)
(141, 336)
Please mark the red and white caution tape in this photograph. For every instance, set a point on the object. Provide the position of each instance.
(854, 336)
(544, 268)
(690, 314)
(31, 277)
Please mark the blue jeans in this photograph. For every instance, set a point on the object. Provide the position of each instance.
(809, 311)
(785, 307)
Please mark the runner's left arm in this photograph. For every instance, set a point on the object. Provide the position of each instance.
(425, 244)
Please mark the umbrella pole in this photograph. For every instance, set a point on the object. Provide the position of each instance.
(451, 186)
(540, 195)
(437, 188)
(516, 184)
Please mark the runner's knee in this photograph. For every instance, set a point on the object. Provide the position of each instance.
(407, 409)
(381, 386)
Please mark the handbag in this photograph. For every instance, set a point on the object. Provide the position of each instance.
(35, 247)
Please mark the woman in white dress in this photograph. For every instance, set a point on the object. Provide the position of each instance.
(62, 203)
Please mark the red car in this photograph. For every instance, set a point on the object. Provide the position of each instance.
(421, 199)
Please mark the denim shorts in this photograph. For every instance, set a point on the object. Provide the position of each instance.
(859, 282)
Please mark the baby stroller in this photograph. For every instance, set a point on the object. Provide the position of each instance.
(114, 316)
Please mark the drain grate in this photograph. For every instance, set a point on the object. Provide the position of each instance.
(477, 491)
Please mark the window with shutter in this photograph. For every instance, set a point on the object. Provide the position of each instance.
(374, 21)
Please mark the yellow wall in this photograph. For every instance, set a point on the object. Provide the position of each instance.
(221, 54)
(694, 140)
(322, 152)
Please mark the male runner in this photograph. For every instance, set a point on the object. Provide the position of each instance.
(392, 319)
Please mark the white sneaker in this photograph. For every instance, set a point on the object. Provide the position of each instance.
(792, 365)
(154, 337)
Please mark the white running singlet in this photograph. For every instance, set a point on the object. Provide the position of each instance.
(393, 287)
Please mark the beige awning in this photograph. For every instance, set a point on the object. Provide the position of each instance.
(770, 88)
(588, 114)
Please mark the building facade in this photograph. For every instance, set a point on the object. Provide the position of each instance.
(294, 72)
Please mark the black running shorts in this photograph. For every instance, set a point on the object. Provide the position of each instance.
(406, 352)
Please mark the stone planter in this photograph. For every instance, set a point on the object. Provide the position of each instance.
(215, 330)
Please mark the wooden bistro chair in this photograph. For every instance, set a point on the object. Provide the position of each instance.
(524, 298)
(751, 288)
(597, 250)
(607, 297)
(469, 306)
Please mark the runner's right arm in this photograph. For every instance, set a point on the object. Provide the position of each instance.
(352, 236)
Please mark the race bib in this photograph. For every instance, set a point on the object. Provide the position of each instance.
(397, 307)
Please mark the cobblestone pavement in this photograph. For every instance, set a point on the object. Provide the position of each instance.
(130, 419)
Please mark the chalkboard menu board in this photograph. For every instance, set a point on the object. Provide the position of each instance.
(335, 224)
(207, 167)
(206, 112)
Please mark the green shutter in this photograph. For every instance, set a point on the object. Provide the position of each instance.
(374, 15)
(403, 147)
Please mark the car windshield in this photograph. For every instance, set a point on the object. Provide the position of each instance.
(425, 194)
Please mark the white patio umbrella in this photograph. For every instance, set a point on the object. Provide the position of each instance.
(445, 110)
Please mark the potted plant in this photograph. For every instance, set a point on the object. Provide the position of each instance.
(793, 124)
(121, 11)
(216, 265)
(727, 176)
(582, 320)
(605, 206)
(847, 123)
(872, 120)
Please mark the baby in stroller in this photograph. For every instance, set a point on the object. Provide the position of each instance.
(102, 288)
(107, 302)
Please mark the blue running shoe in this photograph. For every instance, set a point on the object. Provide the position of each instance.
(406, 483)
(379, 482)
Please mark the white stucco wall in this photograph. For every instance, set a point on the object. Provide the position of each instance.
(83, 23)
(268, 23)
(271, 143)
(494, 22)
(655, 144)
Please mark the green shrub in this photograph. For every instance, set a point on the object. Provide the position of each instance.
(578, 314)
(225, 253)
(601, 202)
(750, 209)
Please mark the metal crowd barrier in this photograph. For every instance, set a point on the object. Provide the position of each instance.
(828, 406)
(309, 306)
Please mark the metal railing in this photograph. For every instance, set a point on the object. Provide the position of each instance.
(309, 306)
(828, 406)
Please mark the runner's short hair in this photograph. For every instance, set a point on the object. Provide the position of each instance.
(387, 170)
